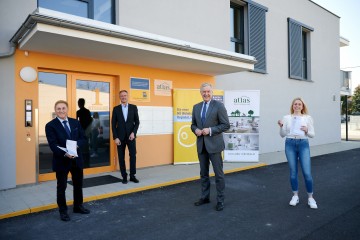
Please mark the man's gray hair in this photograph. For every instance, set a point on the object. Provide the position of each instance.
(205, 85)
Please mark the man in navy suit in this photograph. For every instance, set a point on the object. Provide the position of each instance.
(59, 130)
(209, 121)
(125, 123)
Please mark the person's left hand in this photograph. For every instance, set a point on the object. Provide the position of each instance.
(206, 131)
(132, 136)
(304, 128)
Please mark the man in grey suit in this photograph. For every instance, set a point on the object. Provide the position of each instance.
(209, 121)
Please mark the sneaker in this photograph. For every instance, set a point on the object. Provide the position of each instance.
(312, 203)
(294, 201)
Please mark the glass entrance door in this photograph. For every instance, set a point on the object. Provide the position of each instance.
(97, 100)
(97, 94)
(52, 87)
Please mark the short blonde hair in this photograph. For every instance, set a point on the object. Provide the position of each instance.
(304, 110)
(61, 101)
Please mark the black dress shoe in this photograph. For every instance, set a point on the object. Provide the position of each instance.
(81, 209)
(64, 217)
(219, 206)
(134, 179)
(202, 202)
(124, 181)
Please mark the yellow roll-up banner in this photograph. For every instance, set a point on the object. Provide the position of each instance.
(184, 139)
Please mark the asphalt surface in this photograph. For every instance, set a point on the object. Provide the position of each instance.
(256, 207)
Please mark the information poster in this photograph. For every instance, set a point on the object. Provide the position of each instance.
(242, 139)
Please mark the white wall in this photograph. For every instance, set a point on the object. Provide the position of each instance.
(277, 90)
(11, 18)
(206, 22)
(199, 21)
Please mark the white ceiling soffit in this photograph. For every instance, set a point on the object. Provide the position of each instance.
(344, 42)
(63, 34)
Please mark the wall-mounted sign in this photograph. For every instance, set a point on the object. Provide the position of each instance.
(139, 89)
(162, 87)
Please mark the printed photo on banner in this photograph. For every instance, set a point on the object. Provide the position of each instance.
(139, 89)
(243, 134)
(162, 87)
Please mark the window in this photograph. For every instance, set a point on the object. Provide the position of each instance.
(299, 50)
(237, 28)
(101, 10)
(247, 22)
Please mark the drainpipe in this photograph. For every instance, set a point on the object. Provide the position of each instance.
(25, 27)
(11, 51)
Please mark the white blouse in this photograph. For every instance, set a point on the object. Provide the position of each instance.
(291, 126)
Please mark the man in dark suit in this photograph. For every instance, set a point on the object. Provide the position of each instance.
(59, 130)
(125, 123)
(209, 121)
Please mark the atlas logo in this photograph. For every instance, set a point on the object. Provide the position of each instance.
(242, 100)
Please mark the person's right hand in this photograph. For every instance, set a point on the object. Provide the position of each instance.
(198, 132)
(69, 156)
(117, 141)
(280, 123)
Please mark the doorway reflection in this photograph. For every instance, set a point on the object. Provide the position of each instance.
(97, 99)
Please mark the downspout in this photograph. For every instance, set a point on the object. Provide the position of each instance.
(11, 51)
(25, 27)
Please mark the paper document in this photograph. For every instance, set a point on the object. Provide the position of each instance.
(297, 123)
(71, 148)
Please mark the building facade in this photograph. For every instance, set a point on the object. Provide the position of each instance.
(69, 49)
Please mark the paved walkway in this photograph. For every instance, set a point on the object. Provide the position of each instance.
(353, 132)
(42, 196)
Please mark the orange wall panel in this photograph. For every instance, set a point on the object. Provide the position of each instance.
(153, 150)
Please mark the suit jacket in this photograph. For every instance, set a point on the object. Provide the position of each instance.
(56, 136)
(122, 129)
(216, 119)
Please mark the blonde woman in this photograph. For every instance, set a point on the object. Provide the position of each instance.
(297, 127)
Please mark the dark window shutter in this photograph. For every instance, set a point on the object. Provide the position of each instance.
(257, 34)
(295, 50)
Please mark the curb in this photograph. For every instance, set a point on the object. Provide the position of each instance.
(120, 193)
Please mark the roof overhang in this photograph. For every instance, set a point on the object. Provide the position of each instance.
(53, 32)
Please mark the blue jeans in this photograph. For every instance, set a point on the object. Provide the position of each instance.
(299, 150)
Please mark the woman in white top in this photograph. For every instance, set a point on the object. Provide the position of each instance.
(297, 127)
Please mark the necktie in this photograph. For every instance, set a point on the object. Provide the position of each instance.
(203, 114)
(66, 128)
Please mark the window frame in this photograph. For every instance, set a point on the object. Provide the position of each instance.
(299, 50)
(91, 10)
(252, 25)
(241, 32)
